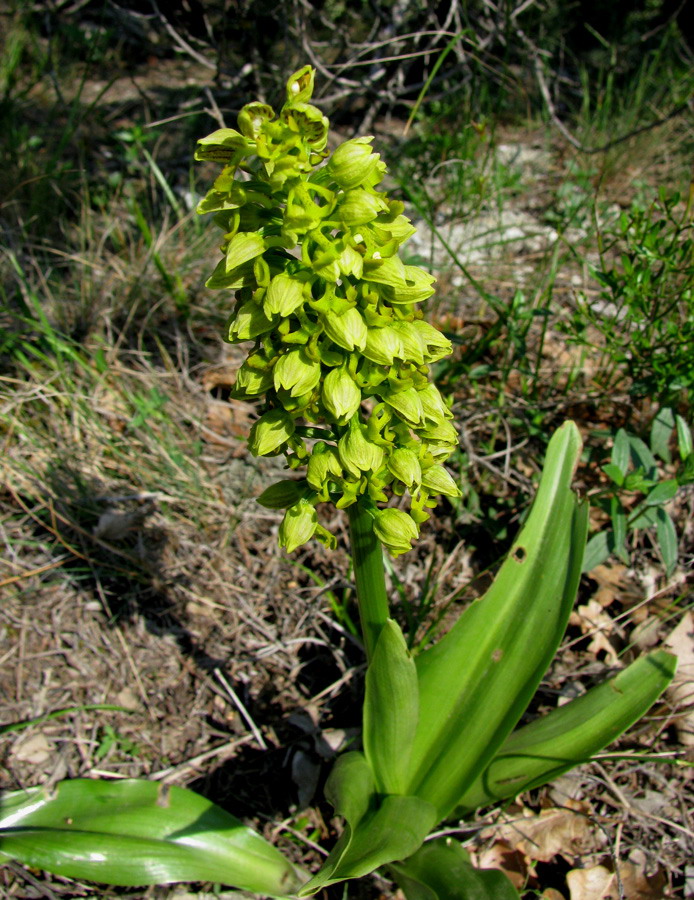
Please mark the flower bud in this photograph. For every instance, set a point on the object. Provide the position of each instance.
(395, 530)
(403, 463)
(438, 480)
(282, 494)
(353, 163)
(348, 330)
(296, 372)
(270, 432)
(357, 454)
(341, 396)
(284, 295)
(298, 525)
(358, 207)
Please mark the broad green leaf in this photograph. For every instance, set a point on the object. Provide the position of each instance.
(661, 432)
(620, 451)
(571, 734)
(350, 787)
(391, 710)
(641, 456)
(684, 438)
(614, 473)
(441, 870)
(599, 548)
(618, 516)
(477, 681)
(135, 832)
(661, 493)
(667, 540)
(646, 517)
(378, 830)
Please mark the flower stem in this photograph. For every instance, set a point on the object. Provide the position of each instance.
(369, 575)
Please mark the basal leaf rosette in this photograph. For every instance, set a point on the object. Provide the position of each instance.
(340, 349)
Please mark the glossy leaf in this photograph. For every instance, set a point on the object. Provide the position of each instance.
(571, 734)
(391, 710)
(441, 870)
(378, 829)
(135, 832)
(478, 680)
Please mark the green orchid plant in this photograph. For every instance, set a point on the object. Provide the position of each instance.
(339, 359)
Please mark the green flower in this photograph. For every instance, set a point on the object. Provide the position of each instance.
(353, 163)
(347, 330)
(383, 345)
(298, 525)
(270, 432)
(357, 454)
(438, 480)
(249, 322)
(323, 466)
(282, 494)
(300, 85)
(284, 295)
(404, 465)
(310, 254)
(296, 372)
(341, 397)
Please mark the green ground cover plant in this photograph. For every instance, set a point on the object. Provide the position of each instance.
(340, 361)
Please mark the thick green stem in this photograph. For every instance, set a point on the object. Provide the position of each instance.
(369, 575)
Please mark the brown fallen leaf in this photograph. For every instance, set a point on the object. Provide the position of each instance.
(611, 583)
(599, 883)
(553, 832)
(511, 861)
(681, 691)
(33, 748)
(592, 619)
(113, 525)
